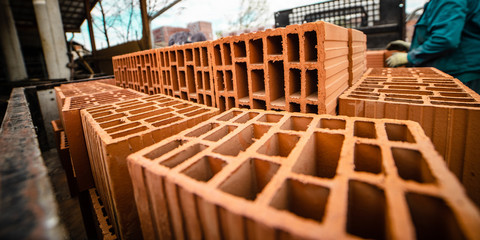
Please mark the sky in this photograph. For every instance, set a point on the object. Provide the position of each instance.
(219, 13)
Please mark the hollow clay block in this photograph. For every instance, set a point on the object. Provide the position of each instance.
(114, 131)
(101, 218)
(78, 89)
(249, 174)
(73, 128)
(448, 111)
(357, 49)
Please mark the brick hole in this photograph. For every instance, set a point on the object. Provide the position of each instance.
(258, 82)
(109, 118)
(321, 155)
(217, 55)
(403, 96)
(183, 82)
(277, 81)
(242, 80)
(206, 78)
(162, 59)
(191, 80)
(227, 116)
(271, 118)
(445, 89)
(362, 97)
(170, 91)
(293, 48)
(199, 80)
(446, 85)
(447, 94)
(240, 49)
(180, 58)
(175, 79)
(188, 109)
(183, 155)
(222, 104)
(189, 55)
(202, 130)
(404, 87)
(368, 158)
(220, 133)
(196, 112)
(294, 80)
(182, 105)
(101, 114)
(242, 141)
(311, 86)
(302, 199)
(365, 129)
(167, 121)
(122, 127)
(104, 212)
(412, 166)
(227, 54)
(311, 108)
(158, 118)
(112, 123)
(205, 169)
(248, 180)
(297, 123)
(399, 132)
(366, 201)
(432, 218)
(294, 107)
(230, 102)
(245, 106)
(256, 51)
(208, 101)
(205, 57)
(332, 123)
(184, 95)
(366, 93)
(280, 144)
(365, 89)
(201, 99)
(403, 100)
(246, 117)
(172, 103)
(129, 132)
(229, 80)
(450, 99)
(455, 104)
(310, 44)
(274, 45)
(142, 110)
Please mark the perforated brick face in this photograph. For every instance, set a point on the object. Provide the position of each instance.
(448, 111)
(73, 128)
(114, 131)
(256, 174)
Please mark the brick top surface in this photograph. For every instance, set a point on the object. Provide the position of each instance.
(316, 175)
(100, 98)
(119, 121)
(82, 88)
(423, 86)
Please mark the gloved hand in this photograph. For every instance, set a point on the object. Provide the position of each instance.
(399, 45)
(397, 59)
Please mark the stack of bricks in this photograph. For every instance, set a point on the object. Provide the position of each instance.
(300, 68)
(139, 71)
(186, 72)
(114, 131)
(448, 111)
(357, 48)
(70, 114)
(251, 174)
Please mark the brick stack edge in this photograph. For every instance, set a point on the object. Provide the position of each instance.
(448, 111)
(114, 131)
(300, 68)
(73, 128)
(252, 174)
(357, 49)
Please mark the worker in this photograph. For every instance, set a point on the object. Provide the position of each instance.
(447, 37)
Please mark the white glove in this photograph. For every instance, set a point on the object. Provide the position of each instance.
(397, 59)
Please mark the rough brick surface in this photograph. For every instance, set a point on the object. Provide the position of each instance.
(357, 48)
(73, 128)
(186, 72)
(114, 131)
(300, 68)
(139, 71)
(448, 111)
(101, 217)
(265, 175)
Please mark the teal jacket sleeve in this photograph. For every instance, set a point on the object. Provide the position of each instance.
(439, 32)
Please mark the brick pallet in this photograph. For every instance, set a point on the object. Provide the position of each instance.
(357, 47)
(187, 73)
(114, 131)
(448, 111)
(251, 174)
(73, 128)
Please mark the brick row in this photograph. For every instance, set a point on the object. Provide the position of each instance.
(73, 128)
(252, 174)
(113, 131)
(448, 111)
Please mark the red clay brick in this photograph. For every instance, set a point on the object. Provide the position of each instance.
(448, 111)
(65, 160)
(101, 218)
(114, 131)
(252, 174)
(357, 47)
(73, 129)
(376, 59)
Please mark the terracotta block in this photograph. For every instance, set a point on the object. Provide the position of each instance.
(73, 128)
(357, 50)
(114, 131)
(252, 174)
(105, 228)
(448, 111)
(65, 160)
(376, 59)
